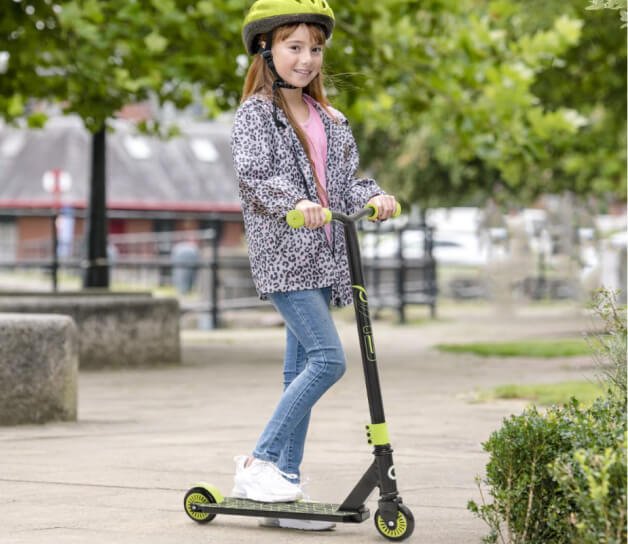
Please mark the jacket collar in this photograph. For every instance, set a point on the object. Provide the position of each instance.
(291, 139)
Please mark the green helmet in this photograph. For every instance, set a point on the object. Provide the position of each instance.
(266, 15)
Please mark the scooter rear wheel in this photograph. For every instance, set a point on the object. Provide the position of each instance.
(400, 529)
(198, 495)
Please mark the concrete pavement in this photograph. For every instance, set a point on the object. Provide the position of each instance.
(145, 436)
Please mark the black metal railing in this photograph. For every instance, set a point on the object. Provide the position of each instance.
(403, 273)
(221, 283)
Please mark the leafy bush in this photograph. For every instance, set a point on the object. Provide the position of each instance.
(597, 484)
(559, 477)
(531, 457)
(610, 348)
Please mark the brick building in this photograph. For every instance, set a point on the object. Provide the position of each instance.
(153, 185)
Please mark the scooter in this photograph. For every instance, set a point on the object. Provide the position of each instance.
(393, 519)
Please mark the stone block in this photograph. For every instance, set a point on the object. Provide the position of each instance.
(38, 368)
(115, 331)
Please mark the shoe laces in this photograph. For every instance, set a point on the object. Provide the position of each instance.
(281, 472)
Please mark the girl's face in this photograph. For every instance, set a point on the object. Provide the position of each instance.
(298, 58)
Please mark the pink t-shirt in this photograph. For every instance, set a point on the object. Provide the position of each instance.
(317, 139)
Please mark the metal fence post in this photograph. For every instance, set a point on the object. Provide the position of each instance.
(401, 279)
(214, 265)
(432, 287)
(54, 268)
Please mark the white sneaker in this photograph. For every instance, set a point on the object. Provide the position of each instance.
(262, 481)
(301, 524)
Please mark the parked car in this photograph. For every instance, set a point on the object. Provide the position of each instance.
(448, 247)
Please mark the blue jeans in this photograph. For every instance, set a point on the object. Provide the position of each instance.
(314, 361)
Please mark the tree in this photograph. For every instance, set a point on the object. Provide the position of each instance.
(451, 100)
(589, 78)
(95, 56)
(457, 104)
(621, 5)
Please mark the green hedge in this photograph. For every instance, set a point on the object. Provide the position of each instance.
(559, 476)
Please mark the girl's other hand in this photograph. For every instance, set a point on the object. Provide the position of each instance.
(312, 213)
(386, 206)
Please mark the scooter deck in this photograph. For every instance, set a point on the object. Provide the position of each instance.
(298, 510)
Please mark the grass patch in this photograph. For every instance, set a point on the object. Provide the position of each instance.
(546, 394)
(564, 347)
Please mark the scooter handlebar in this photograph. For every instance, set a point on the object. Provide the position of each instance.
(296, 219)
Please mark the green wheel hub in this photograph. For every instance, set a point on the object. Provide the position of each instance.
(198, 495)
(402, 527)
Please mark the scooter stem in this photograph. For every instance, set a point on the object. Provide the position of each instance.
(295, 219)
(362, 316)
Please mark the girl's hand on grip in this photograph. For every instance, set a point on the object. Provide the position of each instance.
(313, 214)
(386, 206)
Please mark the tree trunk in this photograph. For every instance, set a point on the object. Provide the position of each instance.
(97, 272)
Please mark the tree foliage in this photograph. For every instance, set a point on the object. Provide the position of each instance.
(451, 100)
(470, 98)
(621, 5)
(96, 56)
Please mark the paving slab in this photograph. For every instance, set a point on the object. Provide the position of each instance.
(144, 436)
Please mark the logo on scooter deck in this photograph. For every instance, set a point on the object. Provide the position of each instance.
(363, 310)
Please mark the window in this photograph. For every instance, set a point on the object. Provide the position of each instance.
(12, 144)
(204, 150)
(137, 147)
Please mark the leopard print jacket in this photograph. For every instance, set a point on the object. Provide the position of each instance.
(274, 174)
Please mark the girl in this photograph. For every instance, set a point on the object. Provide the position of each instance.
(291, 149)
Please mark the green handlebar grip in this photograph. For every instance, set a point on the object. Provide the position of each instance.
(373, 216)
(296, 220)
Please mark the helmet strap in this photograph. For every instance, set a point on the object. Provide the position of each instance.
(267, 55)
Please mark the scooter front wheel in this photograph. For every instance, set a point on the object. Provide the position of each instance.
(398, 530)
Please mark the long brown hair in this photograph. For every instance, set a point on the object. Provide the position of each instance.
(259, 80)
